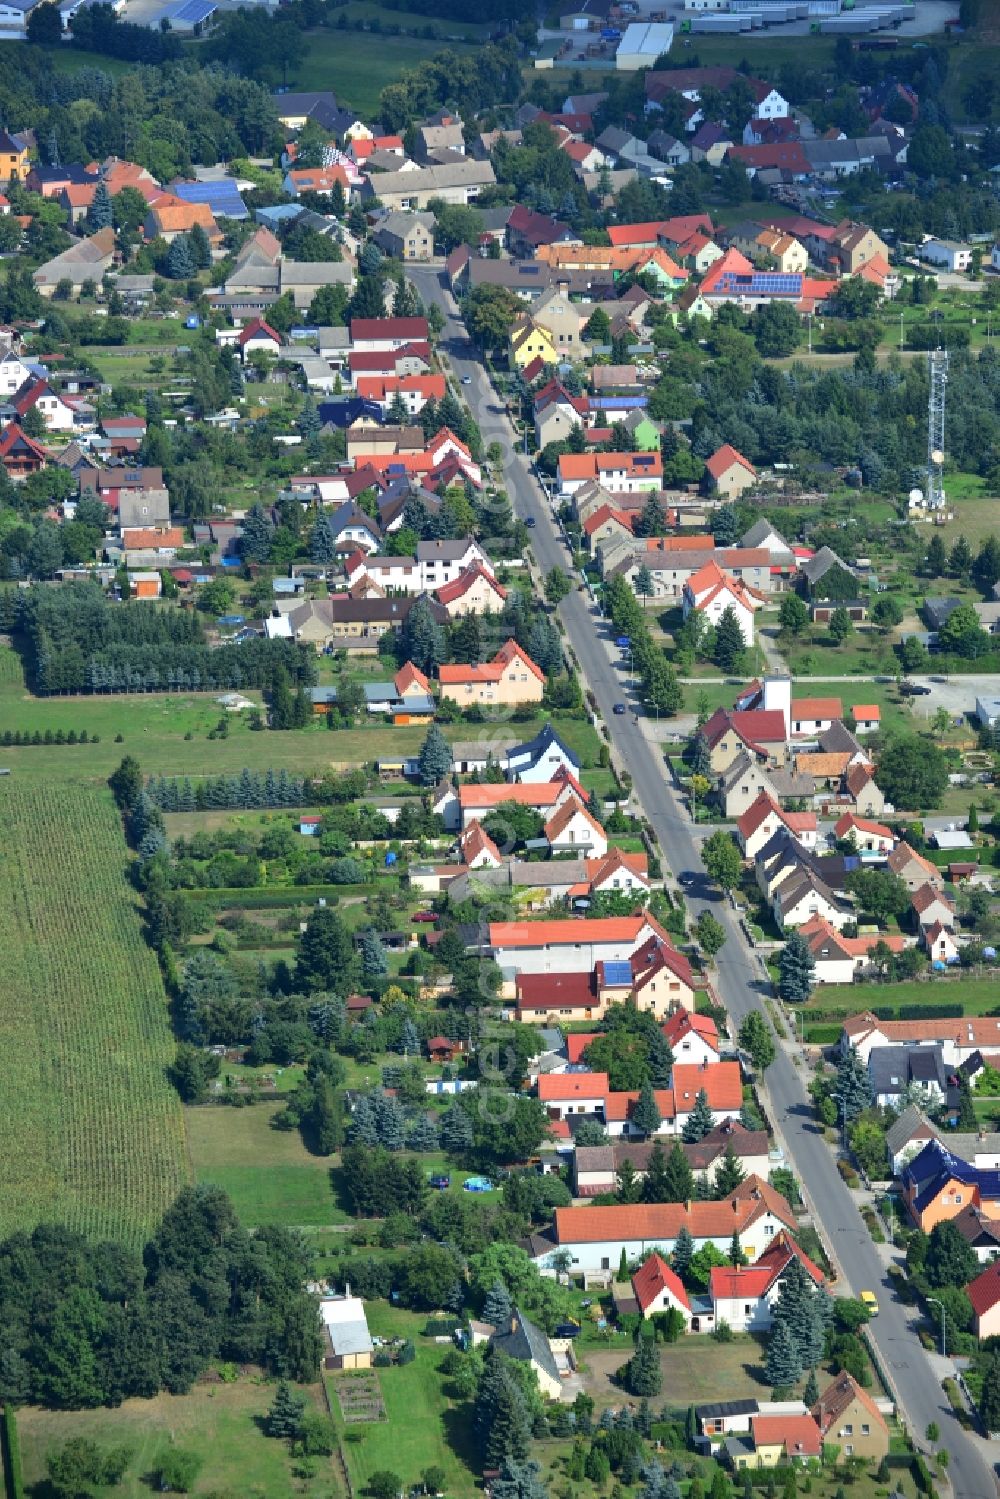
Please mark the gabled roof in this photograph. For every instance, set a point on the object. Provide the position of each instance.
(684, 1022)
(448, 592)
(410, 676)
(817, 708)
(839, 1397)
(257, 328)
(522, 1340)
(571, 808)
(927, 896)
(850, 823)
(564, 1087)
(755, 726)
(573, 933)
(475, 841)
(984, 1291)
(658, 1222)
(798, 1435)
(652, 1278)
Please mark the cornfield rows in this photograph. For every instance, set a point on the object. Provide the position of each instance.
(92, 1132)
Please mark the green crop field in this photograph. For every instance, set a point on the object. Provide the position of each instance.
(93, 1134)
(358, 65)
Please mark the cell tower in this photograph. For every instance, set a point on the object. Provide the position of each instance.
(935, 429)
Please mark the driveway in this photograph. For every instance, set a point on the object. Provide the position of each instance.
(742, 980)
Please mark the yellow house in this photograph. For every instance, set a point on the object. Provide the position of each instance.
(13, 157)
(529, 342)
(510, 679)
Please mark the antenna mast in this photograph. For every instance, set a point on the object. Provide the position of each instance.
(935, 429)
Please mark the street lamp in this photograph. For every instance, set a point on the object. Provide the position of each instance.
(934, 1301)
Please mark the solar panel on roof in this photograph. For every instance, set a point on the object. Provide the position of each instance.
(194, 11)
(618, 974)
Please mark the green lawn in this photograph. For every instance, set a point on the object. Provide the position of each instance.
(220, 1422)
(168, 732)
(268, 1173)
(977, 996)
(357, 66)
(423, 1426)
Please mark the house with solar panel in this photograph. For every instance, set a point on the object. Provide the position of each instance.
(221, 194)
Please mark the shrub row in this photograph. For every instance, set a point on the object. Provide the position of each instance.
(47, 736)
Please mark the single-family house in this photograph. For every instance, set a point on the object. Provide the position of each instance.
(84, 260)
(867, 836)
(933, 908)
(913, 869)
(658, 1288)
(510, 679)
(406, 699)
(937, 1185)
(540, 758)
(572, 827)
(728, 473)
(522, 1340)
(984, 1293)
(762, 732)
(765, 817)
(840, 959)
(407, 236)
(476, 591)
(894, 1071)
(710, 592)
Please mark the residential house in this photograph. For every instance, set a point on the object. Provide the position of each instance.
(826, 576)
(961, 1038)
(913, 869)
(860, 785)
(937, 1185)
(20, 454)
(894, 1071)
(510, 679)
(550, 947)
(522, 1340)
(434, 564)
(407, 236)
(557, 413)
(478, 800)
(728, 473)
(359, 623)
(459, 181)
(693, 1038)
(805, 895)
(595, 1236)
(572, 827)
(539, 759)
(14, 161)
(984, 1293)
(84, 260)
(868, 837)
(981, 1232)
(621, 473)
(774, 1440)
(721, 1084)
(847, 248)
(596, 1167)
(58, 413)
(657, 1288)
(170, 216)
(939, 942)
(763, 819)
(743, 1296)
(711, 592)
(783, 250)
(710, 143)
(530, 342)
(762, 732)
(840, 959)
(907, 1135)
(476, 591)
(744, 780)
(948, 254)
(406, 699)
(656, 978)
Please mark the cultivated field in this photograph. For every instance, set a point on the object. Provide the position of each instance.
(93, 1134)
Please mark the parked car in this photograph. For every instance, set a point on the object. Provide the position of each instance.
(441, 1182)
(424, 916)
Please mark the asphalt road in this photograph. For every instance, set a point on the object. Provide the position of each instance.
(739, 982)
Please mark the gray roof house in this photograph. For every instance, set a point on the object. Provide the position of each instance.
(522, 1340)
(894, 1069)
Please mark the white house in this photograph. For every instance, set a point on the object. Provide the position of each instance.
(710, 592)
(959, 1038)
(657, 1288)
(595, 1236)
(435, 564)
(765, 817)
(743, 1296)
(566, 1093)
(572, 827)
(538, 759)
(947, 253)
(868, 837)
(569, 946)
(13, 373)
(693, 1039)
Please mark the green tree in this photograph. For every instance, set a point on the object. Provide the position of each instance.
(80, 1469)
(756, 1040)
(434, 761)
(729, 1173)
(557, 586)
(989, 1399)
(840, 625)
(711, 934)
(963, 635)
(935, 558)
(500, 1414)
(176, 1469)
(597, 329)
(422, 639)
(100, 213)
(951, 1260)
(960, 558)
(652, 520)
(793, 614)
(646, 1116)
(628, 1188)
(783, 1365)
(284, 1418)
(796, 970)
(729, 642)
(912, 773)
(678, 1178)
(887, 612)
(325, 957)
(642, 1374)
(722, 860)
(683, 1253)
(258, 532)
(853, 1089)
(699, 1121)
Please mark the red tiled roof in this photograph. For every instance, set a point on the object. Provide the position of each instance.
(656, 1222)
(555, 991)
(723, 458)
(564, 1087)
(817, 708)
(799, 1435)
(984, 1291)
(654, 1276)
(572, 932)
(412, 329)
(448, 592)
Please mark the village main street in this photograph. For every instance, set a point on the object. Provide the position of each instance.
(741, 981)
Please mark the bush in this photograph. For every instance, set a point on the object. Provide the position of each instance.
(176, 1469)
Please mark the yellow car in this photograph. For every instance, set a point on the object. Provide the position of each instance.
(870, 1302)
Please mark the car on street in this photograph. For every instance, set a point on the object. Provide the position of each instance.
(619, 709)
(869, 1301)
(466, 379)
(914, 689)
(687, 878)
(529, 521)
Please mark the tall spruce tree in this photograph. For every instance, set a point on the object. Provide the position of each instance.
(679, 1176)
(646, 1115)
(783, 1365)
(796, 970)
(699, 1121)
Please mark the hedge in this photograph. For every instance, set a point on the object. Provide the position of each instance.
(9, 1440)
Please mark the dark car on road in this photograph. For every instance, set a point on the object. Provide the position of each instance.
(619, 709)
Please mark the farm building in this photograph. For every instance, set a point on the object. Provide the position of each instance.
(346, 1327)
